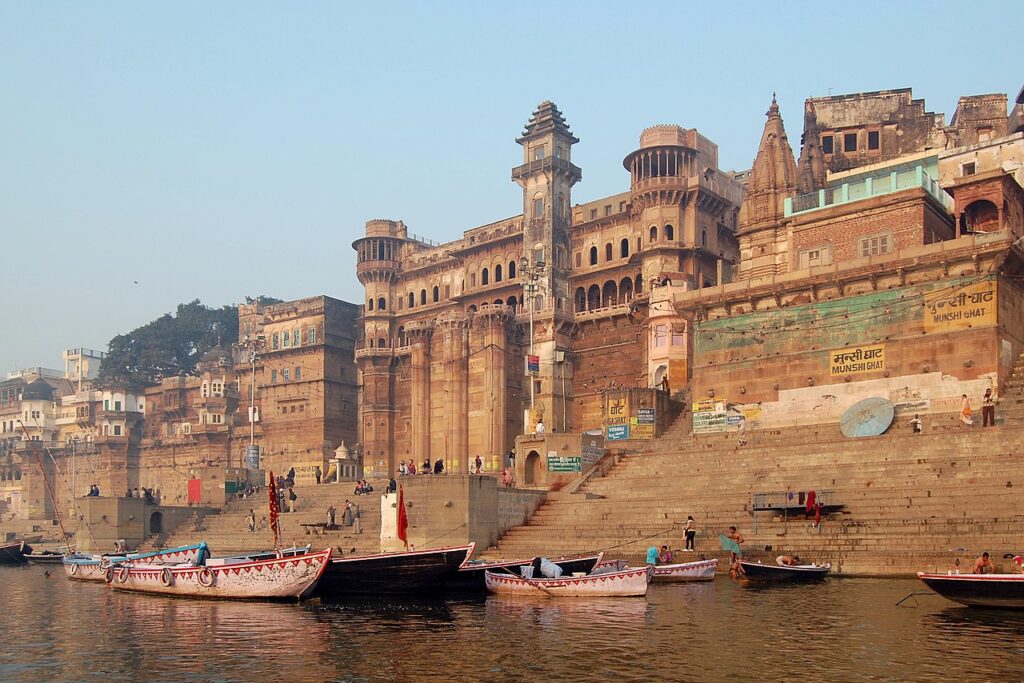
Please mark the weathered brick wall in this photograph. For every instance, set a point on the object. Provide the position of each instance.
(607, 352)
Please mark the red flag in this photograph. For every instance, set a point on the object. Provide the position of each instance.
(403, 519)
(274, 507)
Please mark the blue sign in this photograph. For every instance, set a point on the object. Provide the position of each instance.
(533, 364)
(618, 432)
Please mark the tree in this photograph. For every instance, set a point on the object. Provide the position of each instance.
(170, 345)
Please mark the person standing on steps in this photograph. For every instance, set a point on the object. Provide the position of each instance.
(250, 519)
(331, 517)
(915, 425)
(988, 409)
(690, 532)
(357, 525)
(318, 473)
(965, 411)
(292, 497)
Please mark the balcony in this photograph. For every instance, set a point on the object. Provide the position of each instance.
(547, 163)
(375, 352)
(871, 186)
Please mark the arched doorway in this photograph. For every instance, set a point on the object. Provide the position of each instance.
(980, 216)
(531, 467)
(156, 523)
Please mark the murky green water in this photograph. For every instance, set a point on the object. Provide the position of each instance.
(840, 630)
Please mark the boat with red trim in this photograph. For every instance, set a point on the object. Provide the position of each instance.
(83, 567)
(701, 570)
(412, 571)
(226, 578)
(470, 577)
(775, 572)
(603, 582)
(978, 590)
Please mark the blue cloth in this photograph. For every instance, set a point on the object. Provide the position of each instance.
(652, 555)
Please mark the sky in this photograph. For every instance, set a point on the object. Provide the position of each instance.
(156, 153)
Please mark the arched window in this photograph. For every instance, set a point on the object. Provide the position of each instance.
(369, 304)
(412, 299)
(704, 238)
(401, 336)
(381, 304)
(497, 273)
(670, 233)
(423, 297)
(581, 299)
(654, 233)
(593, 297)
(511, 270)
(608, 252)
(485, 277)
(472, 309)
(381, 343)
(499, 302)
(624, 248)
(639, 287)
(511, 302)
(593, 256)
(437, 294)
(472, 279)
(626, 290)
(611, 293)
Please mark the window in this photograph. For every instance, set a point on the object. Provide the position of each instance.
(285, 375)
(117, 406)
(677, 336)
(436, 294)
(873, 139)
(298, 374)
(217, 418)
(497, 273)
(670, 233)
(186, 428)
(593, 214)
(622, 207)
(539, 152)
(273, 376)
(381, 305)
(538, 207)
(624, 248)
(579, 259)
(660, 336)
(607, 209)
(608, 252)
(311, 335)
(849, 142)
(472, 279)
(423, 297)
(559, 204)
(872, 246)
(968, 168)
(654, 233)
(818, 256)
(412, 299)
(218, 389)
(106, 404)
(511, 270)
(297, 335)
(826, 144)
(369, 304)
(704, 238)
(117, 430)
(485, 278)
(593, 256)
(984, 134)
(286, 340)
(274, 341)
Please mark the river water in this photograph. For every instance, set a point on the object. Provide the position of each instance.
(839, 630)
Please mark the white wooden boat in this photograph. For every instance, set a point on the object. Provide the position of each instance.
(83, 567)
(599, 583)
(225, 578)
(703, 570)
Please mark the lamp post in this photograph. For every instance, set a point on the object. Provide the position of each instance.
(531, 274)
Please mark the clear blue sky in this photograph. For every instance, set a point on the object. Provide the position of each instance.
(214, 150)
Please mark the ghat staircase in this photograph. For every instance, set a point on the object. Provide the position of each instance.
(228, 531)
(909, 501)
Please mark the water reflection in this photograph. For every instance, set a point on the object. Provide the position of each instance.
(843, 630)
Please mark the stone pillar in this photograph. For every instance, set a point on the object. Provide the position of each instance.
(492, 321)
(455, 328)
(419, 337)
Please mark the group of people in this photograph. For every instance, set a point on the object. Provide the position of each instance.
(988, 410)
(363, 488)
(663, 555)
(409, 468)
(150, 497)
(350, 517)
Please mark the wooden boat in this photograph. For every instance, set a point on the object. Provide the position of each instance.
(601, 583)
(702, 570)
(14, 553)
(225, 578)
(46, 557)
(414, 571)
(470, 577)
(978, 590)
(82, 567)
(775, 572)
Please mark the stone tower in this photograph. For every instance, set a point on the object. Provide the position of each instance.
(547, 175)
(763, 251)
(810, 169)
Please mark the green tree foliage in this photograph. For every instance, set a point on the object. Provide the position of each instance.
(170, 345)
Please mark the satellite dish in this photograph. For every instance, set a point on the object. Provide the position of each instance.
(870, 417)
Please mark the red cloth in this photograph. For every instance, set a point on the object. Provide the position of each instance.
(403, 518)
(810, 500)
(817, 514)
(274, 509)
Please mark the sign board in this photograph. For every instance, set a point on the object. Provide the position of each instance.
(734, 420)
(856, 360)
(616, 412)
(533, 364)
(713, 405)
(708, 422)
(959, 308)
(565, 463)
(252, 457)
(618, 432)
(592, 453)
(641, 431)
(645, 416)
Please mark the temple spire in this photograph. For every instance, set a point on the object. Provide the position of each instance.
(811, 167)
(773, 177)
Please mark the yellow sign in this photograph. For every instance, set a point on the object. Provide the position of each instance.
(617, 414)
(642, 431)
(961, 308)
(856, 360)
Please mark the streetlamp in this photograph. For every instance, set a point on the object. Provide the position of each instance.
(531, 274)
(252, 344)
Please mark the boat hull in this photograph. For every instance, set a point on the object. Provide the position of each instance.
(94, 567)
(471, 579)
(625, 583)
(275, 579)
(14, 553)
(45, 558)
(978, 590)
(418, 571)
(772, 572)
(703, 570)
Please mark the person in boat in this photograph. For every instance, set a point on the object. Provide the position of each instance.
(787, 560)
(983, 565)
(652, 555)
(665, 555)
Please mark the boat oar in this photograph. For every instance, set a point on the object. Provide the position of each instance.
(915, 593)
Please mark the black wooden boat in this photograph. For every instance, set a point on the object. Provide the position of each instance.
(46, 557)
(470, 577)
(775, 572)
(14, 553)
(978, 590)
(408, 572)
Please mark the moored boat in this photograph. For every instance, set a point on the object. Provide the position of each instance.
(83, 567)
(601, 583)
(978, 590)
(413, 571)
(227, 578)
(45, 557)
(470, 577)
(775, 572)
(702, 570)
(14, 553)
